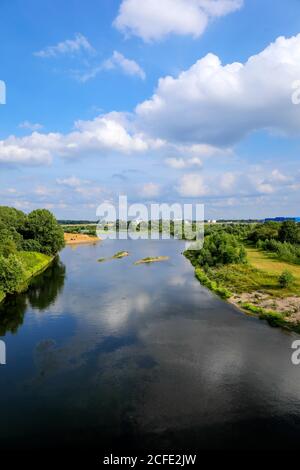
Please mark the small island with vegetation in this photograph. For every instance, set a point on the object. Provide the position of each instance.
(154, 259)
(254, 266)
(28, 244)
(118, 255)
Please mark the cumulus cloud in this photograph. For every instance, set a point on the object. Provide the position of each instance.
(68, 47)
(192, 185)
(128, 66)
(206, 109)
(155, 19)
(15, 151)
(220, 104)
(248, 183)
(106, 133)
(180, 163)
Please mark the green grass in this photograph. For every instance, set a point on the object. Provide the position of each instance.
(268, 262)
(33, 264)
(212, 285)
(261, 273)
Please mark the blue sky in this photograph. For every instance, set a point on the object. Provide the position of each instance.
(90, 113)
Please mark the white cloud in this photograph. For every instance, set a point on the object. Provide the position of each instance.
(13, 152)
(106, 133)
(71, 181)
(155, 19)
(180, 163)
(68, 47)
(278, 177)
(192, 185)
(227, 181)
(150, 190)
(219, 104)
(128, 66)
(30, 126)
(247, 183)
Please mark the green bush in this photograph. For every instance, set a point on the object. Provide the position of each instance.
(31, 245)
(286, 279)
(219, 249)
(212, 285)
(42, 227)
(289, 232)
(266, 231)
(11, 273)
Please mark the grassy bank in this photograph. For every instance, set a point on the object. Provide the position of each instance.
(33, 263)
(254, 287)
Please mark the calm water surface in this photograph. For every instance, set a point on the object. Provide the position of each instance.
(111, 355)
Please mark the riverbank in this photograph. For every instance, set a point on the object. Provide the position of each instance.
(34, 263)
(254, 288)
(79, 238)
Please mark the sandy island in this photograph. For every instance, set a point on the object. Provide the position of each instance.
(79, 238)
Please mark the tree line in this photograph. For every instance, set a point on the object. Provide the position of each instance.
(36, 232)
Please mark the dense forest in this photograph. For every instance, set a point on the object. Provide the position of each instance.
(27, 244)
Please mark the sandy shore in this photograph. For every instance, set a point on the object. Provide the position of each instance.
(79, 238)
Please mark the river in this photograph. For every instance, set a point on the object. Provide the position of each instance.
(112, 355)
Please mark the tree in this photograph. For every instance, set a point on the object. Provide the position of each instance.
(7, 243)
(11, 273)
(266, 231)
(289, 232)
(221, 248)
(42, 227)
(12, 218)
(286, 279)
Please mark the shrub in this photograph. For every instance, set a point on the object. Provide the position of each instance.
(266, 231)
(286, 279)
(212, 285)
(11, 273)
(220, 249)
(289, 232)
(31, 245)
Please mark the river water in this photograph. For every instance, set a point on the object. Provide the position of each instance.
(112, 355)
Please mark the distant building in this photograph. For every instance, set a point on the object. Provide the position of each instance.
(283, 219)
